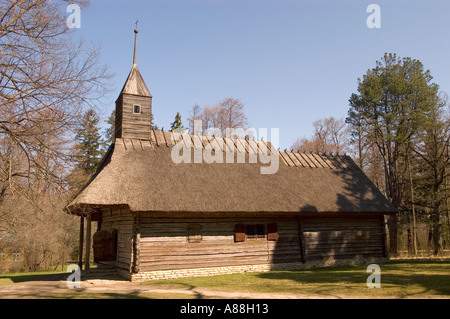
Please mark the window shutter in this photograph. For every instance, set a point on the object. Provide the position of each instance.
(239, 232)
(272, 231)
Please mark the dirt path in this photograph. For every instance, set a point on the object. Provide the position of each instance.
(54, 285)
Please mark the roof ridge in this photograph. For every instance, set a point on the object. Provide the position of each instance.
(289, 158)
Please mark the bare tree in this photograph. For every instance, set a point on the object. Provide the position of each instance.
(46, 79)
(330, 135)
(210, 117)
(227, 114)
(194, 115)
(231, 114)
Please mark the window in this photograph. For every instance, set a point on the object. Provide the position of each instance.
(137, 109)
(194, 233)
(243, 232)
(16, 255)
(255, 231)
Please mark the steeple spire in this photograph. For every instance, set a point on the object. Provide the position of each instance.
(135, 42)
(134, 104)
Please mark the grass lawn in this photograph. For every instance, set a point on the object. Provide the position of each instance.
(8, 279)
(399, 279)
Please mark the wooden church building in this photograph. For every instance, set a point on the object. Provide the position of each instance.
(159, 218)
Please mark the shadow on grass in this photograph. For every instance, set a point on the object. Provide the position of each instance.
(83, 295)
(399, 278)
(93, 274)
(19, 278)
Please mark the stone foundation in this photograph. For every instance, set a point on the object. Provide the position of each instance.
(214, 271)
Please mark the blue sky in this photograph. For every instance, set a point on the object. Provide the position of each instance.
(290, 62)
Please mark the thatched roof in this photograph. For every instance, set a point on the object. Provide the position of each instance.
(142, 175)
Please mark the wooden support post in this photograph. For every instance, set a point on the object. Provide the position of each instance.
(99, 220)
(301, 239)
(392, 223)
(383, 237)
(88, 241)
(136, 243)
(80, 245)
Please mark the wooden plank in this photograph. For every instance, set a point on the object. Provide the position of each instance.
(197, 142)
(318, 159)
(332, 161)
(136, 244)
(341, 256)
(301, 239)
(217, 263)
(356, 234)
(165, 241)
(325, 160)
(253, 146)
(301, 160)
(88, 241)
(187, 140)
(293, 159)
(121, 220)
(218, 143)
(183, 259)
(383, 237)
(80, 244)
(160, 140)
(307, 160)
(286, 159)
(169, 138)
(189, 249)
(240, 146)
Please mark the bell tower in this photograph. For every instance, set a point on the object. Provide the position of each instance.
(134, 105)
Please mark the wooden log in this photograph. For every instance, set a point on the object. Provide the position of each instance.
(383, 237)
(80, 244)
(166, 265)
(136, 244)
(88, 241)
(301, 239)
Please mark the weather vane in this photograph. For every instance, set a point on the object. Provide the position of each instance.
(136, 23)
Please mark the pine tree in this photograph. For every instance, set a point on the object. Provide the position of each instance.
(153, 126)
(391, 107)
(177, 126)
(89, 142)
(110, 130)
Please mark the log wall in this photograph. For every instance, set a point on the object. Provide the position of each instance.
(129, 124)
(149, 244)
(164, 244)
(122, 221)
(343, 238)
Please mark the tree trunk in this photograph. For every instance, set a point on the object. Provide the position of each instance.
(393, 227)
(413, 210)
(435, 219)
(437, 243)
(409, 241)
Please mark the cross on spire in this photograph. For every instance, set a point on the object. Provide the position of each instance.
(135, 41)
